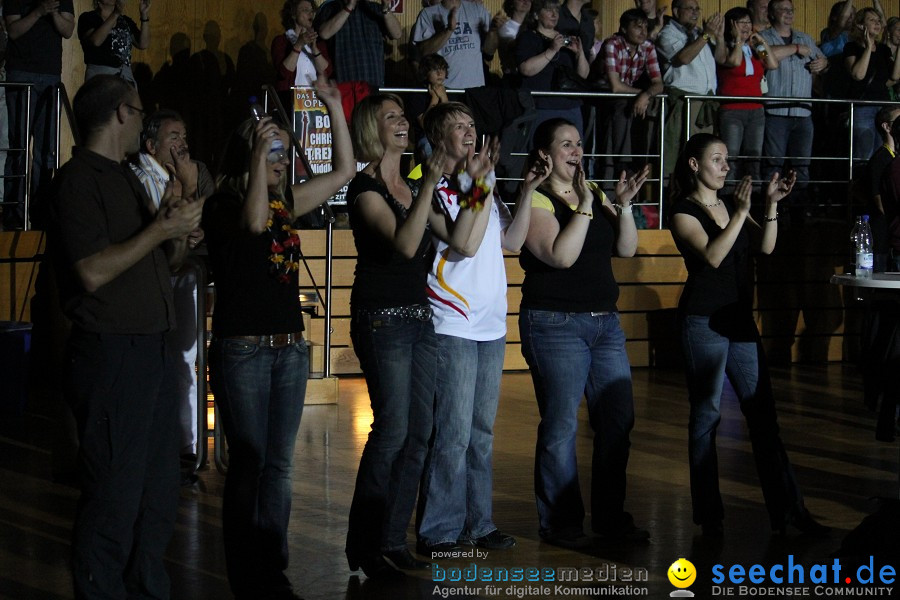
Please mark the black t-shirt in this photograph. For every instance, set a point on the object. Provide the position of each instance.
(874, 85)
(38, 50)
(115, 51)
(709, 289)
(384, 278)
(586, 286)
(98, 203)
(249, 299)
(530, 43)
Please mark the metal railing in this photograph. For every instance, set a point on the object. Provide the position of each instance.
(657, 157)
(62, 107)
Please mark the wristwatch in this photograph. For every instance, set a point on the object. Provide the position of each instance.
(705, 36)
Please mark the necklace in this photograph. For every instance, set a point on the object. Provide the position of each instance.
(563, 191)
(718, 202)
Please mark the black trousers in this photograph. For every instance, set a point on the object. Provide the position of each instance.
(127, 463)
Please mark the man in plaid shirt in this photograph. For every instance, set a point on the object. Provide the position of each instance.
(628, 66)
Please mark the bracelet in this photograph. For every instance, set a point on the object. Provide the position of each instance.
(585, 213)
(797, 48)
(316, 55)
(143, 20)
(772, 219)
(622, 209)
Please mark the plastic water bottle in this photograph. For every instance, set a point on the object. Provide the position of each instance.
(277, 152)
(861, 238)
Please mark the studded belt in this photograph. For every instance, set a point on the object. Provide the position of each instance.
(419, 312)
(275, 340)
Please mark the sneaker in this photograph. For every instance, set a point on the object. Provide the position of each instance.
(495, 540)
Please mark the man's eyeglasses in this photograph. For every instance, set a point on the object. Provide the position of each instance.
(689, 8)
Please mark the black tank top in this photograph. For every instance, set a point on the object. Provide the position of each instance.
(588, 285)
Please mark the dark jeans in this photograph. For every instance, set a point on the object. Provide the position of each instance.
(714, 348)
(43, 132)
(260, 393)
(793, 137)
(128, 465)
(398, 356)
(575, 355)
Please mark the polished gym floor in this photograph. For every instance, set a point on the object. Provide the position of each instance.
(828, 433)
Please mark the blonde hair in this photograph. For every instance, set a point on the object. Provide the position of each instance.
(859, 35)
(366, 143)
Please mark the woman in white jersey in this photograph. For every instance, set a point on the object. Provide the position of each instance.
(467, 289)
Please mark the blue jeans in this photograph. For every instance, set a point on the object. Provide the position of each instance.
(865, 135)
(742, 131)
(260, 393)
(458, 485)
(575, 355)
(398, 358)
(714, 348)
(43, 133)
(789, 136)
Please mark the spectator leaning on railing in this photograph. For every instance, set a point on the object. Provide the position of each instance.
(626, 57)
(789, 127)
(686, 54)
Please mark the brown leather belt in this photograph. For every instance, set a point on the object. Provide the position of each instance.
(275, 340)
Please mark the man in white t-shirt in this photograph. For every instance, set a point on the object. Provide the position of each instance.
(467, 291)
(461, 31)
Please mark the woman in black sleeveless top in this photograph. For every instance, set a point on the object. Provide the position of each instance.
(392, 335)
(719, 335)
(572, 340)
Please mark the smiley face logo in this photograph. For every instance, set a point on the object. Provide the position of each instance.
(682, 573)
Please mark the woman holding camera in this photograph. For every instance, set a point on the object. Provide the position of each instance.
(548, 60)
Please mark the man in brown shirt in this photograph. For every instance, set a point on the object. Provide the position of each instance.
(113, 256)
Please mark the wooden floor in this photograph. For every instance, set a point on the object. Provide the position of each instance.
(827, 431)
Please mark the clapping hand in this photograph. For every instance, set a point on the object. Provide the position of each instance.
(742, 195)
(779, 187)
(537, 173)
(145, 9)
(479, 165)
(627, 189)
(713, 25)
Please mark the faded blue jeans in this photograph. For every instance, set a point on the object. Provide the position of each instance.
(457, 490)
(743, 132)
(398, 358)
(714, 348)
(571, 356)
(260, 393)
